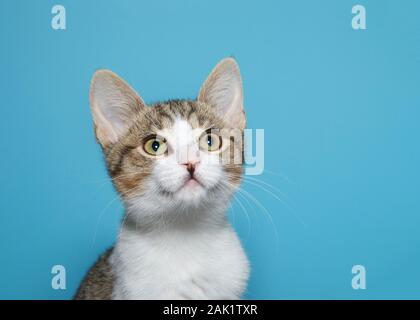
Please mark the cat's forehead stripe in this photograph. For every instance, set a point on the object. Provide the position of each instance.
(167, 113)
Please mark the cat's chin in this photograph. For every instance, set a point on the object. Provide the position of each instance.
(191, 192)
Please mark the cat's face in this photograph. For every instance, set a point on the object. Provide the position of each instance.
(176, 154)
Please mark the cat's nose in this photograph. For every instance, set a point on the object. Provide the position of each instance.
(190, 166)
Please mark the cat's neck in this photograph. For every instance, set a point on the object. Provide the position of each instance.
(178, 219)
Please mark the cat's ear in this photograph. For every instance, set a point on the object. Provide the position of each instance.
(113, 104)
(223, 91)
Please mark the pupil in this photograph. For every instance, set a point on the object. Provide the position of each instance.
(209, 140)
(155, 145)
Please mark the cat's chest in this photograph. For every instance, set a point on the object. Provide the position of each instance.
(194, 266)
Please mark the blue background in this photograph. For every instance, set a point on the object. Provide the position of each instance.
(340, 109)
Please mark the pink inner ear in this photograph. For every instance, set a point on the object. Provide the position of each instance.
(113, 105)
(223, 91)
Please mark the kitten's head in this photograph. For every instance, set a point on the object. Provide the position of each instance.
(172, 155)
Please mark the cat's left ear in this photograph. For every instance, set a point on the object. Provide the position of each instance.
(223, 91)
(113, 104)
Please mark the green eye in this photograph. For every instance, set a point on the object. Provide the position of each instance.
(155, 146)
(210, 142)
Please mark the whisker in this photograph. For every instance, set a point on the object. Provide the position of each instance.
(254, 181)
(266, 184)
(103, 211)
(270, 193)
(242, 207)
(261, 206)
(280, 176)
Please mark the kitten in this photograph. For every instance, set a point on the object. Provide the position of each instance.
(173, 164)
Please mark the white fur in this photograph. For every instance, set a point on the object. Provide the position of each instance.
(189, 264)
(183, 248)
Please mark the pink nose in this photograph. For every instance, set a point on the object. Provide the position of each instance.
(190, 166)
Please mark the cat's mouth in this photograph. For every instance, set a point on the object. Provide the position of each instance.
(191, 183)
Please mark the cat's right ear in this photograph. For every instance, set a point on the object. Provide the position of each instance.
(113, 104)
(223, 91)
